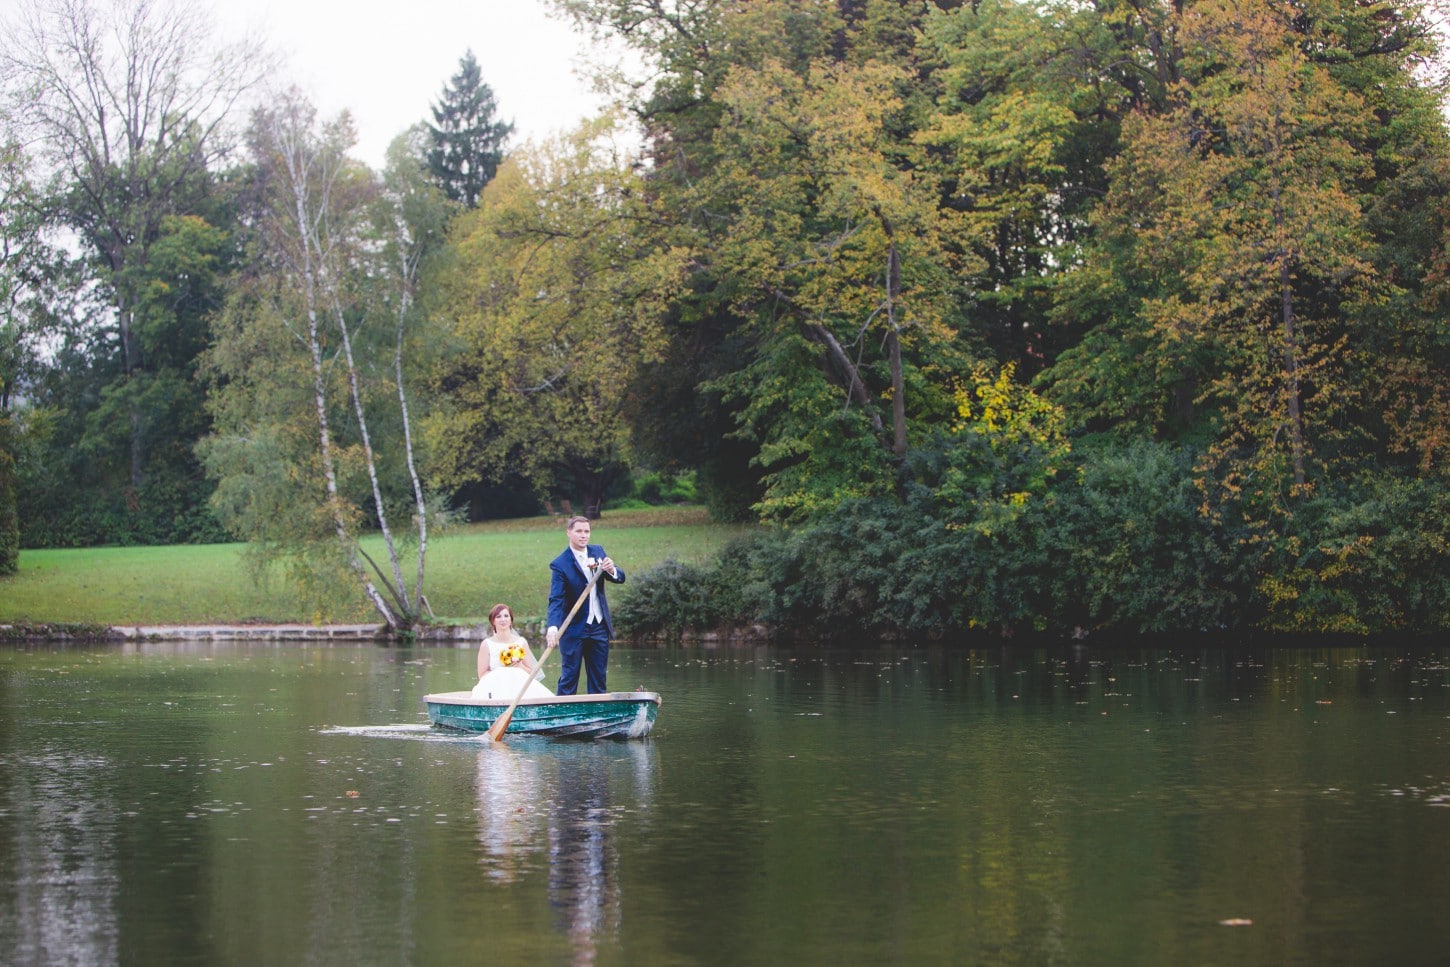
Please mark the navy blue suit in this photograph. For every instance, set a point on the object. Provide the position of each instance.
(582, 642)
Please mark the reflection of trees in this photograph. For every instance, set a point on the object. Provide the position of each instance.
(94, 771)
(565, 798)
(61, 883)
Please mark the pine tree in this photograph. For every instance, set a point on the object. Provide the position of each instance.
(466, 142)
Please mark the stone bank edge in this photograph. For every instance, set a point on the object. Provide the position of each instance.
(247, 632)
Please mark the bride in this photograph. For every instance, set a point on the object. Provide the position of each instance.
(505, 661)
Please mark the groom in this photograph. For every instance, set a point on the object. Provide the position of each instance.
(586, 639)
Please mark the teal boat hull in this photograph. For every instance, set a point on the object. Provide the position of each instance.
(612, 715)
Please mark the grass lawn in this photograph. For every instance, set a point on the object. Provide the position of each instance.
(469, 570)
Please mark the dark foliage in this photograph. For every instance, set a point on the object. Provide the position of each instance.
(466, 143)
(162, 511)
(1120, 546)
(1368, 557)
(1127, 548)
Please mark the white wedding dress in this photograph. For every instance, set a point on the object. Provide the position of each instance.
(504, 681)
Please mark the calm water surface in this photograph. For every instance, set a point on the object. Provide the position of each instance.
(246, 803)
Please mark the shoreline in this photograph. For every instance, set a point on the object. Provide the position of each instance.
(237, 632)
(299, 632)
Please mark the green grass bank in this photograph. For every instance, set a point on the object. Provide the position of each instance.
(469, 570)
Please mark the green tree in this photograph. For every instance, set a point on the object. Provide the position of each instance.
(26, 266)
(822, 312)
(1235, 263)
(554, 308)
(680, 414)
(126, 104)
(162, 404)
(9, 520)
(466, 144)
(839, 255)
(47, 361)
(1020, 139)
(18, 244)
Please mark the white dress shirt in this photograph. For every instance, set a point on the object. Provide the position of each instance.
(595, 615)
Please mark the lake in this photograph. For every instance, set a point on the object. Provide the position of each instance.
(203, 802)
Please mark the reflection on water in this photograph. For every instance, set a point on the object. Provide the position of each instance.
(241, 804)
(509, 815)
(558, 803)
(63, 877)
(547, 809)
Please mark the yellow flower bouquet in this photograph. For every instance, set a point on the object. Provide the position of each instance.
(512, 654)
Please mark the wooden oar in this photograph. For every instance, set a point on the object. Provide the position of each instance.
(501, 724)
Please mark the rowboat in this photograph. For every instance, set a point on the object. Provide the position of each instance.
(618, 715)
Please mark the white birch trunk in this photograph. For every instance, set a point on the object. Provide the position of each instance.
(299, 160)
(400, 589)
(408, 257)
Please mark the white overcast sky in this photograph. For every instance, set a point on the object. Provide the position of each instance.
(387, 62)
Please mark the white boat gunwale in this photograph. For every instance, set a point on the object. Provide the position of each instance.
(467, 697)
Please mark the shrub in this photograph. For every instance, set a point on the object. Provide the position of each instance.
(1369, 557)
(1117, 544)
(665, 600)
(672, 597)
(652, 488)
(1130, 551)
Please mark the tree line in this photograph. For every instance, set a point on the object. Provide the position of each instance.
(1003, 315)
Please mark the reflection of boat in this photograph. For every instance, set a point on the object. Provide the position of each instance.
(622, 715)
(547, 816)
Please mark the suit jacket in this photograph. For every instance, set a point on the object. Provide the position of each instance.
(567, 582)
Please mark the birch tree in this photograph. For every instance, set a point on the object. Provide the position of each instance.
(411, 217)
(322, 322)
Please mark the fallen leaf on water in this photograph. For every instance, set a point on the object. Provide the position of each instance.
(352, 794)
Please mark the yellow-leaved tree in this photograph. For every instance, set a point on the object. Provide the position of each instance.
(840, 256)
(1241, 205)
(552, 300)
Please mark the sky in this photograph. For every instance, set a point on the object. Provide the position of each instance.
(387, 62)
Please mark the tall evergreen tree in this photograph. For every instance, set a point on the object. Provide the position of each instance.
(466, 142)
